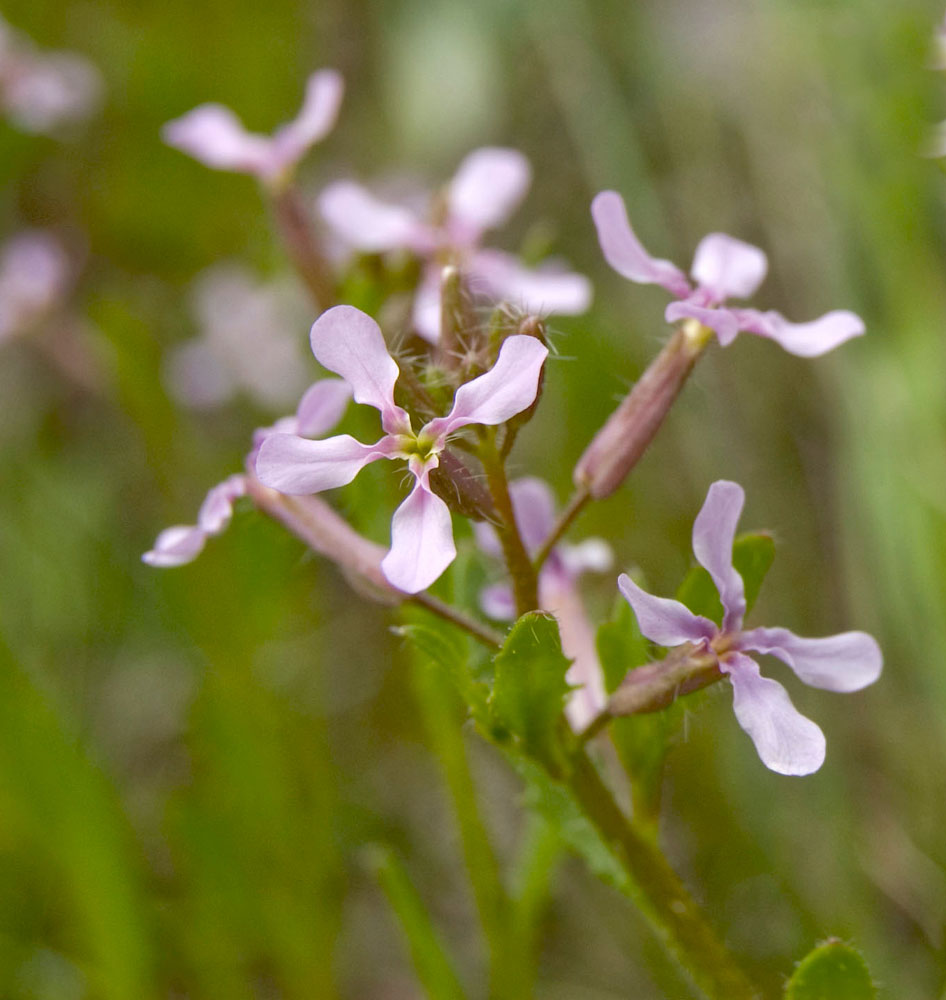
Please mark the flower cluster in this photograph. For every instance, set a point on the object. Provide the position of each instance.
(245, 343)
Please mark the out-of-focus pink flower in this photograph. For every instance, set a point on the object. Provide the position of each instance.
(786, 741)
(534, 507)
(249, 342)
(44, 91)
(35, 274)
(349, 342)
(319, 411)
(488, 186)
(723, 268)
(214, 135)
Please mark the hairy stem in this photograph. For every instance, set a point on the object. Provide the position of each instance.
(659, 893)
(521, 571)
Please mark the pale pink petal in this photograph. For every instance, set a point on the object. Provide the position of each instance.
(349, 342)
(323, 97)
(728, 268)
(296, 465)
(547, 290)
(714, 532)
(426, 312)
(421, 540)
(322, 407)
(848, 661)
(176, 546)
(807, 340)
(662, 620)
(723, 321)
(367, 223)
(534, 507)
(217, 508)
(592, 555)
(214, 135)
(786, 741)
(485, 190)
(508, 388)
(498, 602)
(624, 252)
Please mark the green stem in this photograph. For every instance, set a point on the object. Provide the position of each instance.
(575, 506)
(521, 571)
(303, 247)
(482, 633)
(659, 893)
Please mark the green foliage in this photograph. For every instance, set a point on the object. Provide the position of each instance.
(832, 971)
(752, 555)
(529, 690)
(642, 741)
(431, 963)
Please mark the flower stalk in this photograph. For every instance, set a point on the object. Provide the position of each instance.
(303, 247)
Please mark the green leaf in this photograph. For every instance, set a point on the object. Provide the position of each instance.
(833, 971)
(530, 688)
(752, 556)
(642, 741)
(431, 963)
(555, 803)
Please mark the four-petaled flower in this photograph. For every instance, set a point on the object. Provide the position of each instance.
(534, 508)
(723, 267)
(483, 193)
(319, 411)
(786, 741)
(349, 342)
(214, 135)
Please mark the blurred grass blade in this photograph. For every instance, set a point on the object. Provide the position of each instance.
(433, 967)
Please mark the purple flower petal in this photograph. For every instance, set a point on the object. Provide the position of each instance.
(545, 291)
(323, 97)
(215, 136)
(367, 223)
(786, 741)
(714, 531)
(421, 540)
(593, 554)
(624, 252)
(807, 340)
(297, 466)
(349, 342)
(484, 192)
(534, 507)
(845, 662)
(217, 508)
(426, 312)
(723, 321)
(498, 602)
(508, 388)
(175, 547)
(662, 620)
(728, 268)
(322, 406)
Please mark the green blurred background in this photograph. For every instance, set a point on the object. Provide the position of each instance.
(193, 761)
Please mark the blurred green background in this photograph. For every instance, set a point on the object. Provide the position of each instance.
(193, 761)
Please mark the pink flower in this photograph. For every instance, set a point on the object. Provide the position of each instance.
(483, 193)
(214, 135)
(723, 268)
(249, 342)
(534, 507)
(348, 342)
(34, 276)
(320, 410)
(44, 91)
(786, 741)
